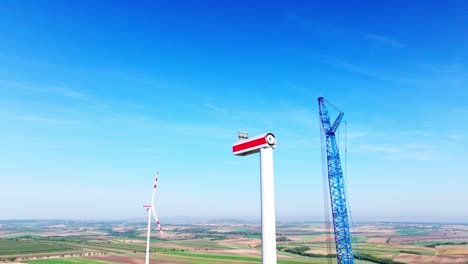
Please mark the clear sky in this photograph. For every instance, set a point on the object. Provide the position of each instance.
(95, 97)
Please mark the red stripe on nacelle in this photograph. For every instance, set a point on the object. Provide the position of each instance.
(147, 206)
(249, 144)
(155, 186)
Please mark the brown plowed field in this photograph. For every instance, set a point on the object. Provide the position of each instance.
(418, 259)
(378, 240)
(129, 260)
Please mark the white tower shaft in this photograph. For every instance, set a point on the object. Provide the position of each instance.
(264, 144)
(148, 237)
(268, 206)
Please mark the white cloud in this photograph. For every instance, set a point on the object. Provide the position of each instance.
(56, 90)
(385, 149)
(214, 108)
(330, 29)
(382, 39)
(47, 120)
(455, 137)
(353, 68)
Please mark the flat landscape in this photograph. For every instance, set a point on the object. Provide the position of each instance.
(224, 242)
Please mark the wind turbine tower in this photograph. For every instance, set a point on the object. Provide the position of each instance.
(264, 144)
(151, 211)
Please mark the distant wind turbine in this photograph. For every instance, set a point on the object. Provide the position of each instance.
(150, 210)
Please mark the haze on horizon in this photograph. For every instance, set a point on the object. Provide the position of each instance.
(95, 97)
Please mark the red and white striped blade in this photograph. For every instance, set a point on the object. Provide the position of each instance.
(156, 180)
(157, 221)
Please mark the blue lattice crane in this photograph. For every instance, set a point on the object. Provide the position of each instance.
(336, 184)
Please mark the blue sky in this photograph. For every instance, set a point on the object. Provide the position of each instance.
(94, 98)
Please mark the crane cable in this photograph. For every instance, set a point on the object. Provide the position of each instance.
(346, 192)
(325, 194)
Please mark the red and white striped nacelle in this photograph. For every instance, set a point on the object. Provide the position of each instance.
(253, 145)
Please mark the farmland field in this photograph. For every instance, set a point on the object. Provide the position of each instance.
(413, 232)
(110, 242)
(67, 261)
(29, 246)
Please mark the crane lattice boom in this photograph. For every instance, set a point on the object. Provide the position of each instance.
(344, 250)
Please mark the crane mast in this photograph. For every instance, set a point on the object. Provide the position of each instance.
(344, 250)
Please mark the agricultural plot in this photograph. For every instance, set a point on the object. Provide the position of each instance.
(224, 243)
(413, 232)
(21, 247)
(202, 258)
(203, 244)
(67, 261)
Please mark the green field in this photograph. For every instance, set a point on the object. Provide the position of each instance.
(220, 243)
(216, 258)
(201, 243)
(67, 261)
(254, 236)
(14, 247)
(413, 232)
(200, 258)
(395, 251)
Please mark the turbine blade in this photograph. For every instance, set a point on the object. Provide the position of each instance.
(154, 188)
(157, 221)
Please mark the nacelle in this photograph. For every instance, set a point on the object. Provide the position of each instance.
(253, 145)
